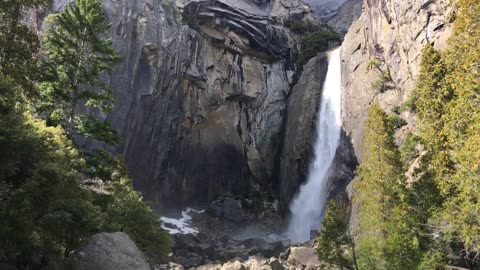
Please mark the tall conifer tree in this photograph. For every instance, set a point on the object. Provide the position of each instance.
(76, 59)
(17, 42)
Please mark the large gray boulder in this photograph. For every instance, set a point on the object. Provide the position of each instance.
(304, 256)
(110, 251)
(228, 208)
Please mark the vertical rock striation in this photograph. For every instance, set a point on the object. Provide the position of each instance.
(201, 93)
(394, 32)
(297, 147)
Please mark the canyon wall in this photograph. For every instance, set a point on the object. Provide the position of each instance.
(395, 32)
(202, 93)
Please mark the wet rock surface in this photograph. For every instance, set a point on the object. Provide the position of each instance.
(203, 94)
(228, 208)
(224, 244)
(201, 102)
(298, 134)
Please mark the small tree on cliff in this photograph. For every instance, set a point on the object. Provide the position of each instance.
(335, 242)
(75, 58)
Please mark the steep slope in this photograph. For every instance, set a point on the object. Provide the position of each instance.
(345, 15)
(201, 93)
(201, 111)
(394, 32)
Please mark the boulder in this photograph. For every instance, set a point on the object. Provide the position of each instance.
(233, 266)
(258, 265)
(209, 267)
(110, 251)
(191, 260)
(228, 208)
(275, 264)
(175, 266)
(263, 248)
(303, 256)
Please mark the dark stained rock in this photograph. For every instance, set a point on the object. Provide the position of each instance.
(228, 208)
(299, 129)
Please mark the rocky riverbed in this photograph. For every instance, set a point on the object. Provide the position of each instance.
(224, 236)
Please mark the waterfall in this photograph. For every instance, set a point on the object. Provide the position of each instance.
(309, 203)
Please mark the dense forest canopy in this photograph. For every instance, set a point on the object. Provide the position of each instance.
(49, 186)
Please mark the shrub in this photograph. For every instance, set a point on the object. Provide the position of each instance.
(408, 151)
(384, 82)
(301, 27)
(316, 42)
(411, 102)
(375, 63)
(396, 121)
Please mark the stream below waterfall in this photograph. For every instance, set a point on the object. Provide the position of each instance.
(309, 203)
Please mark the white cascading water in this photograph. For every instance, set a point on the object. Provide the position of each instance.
(309, 203)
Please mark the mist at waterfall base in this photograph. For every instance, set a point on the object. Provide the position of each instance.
(308, 204)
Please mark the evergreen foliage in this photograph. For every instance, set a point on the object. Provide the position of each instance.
(386, 239)
(462, 131)
(17, 43)
(301, 27)
(384, 81)
(335, 242)
(126, 211)
(43, 205)
(434, 220)
(46, 208)
(315, 43)
(76, 58)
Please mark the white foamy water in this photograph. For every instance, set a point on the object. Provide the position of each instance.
(181, 225)
(308, 204)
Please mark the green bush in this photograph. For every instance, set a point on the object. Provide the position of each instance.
(396, 121)
(411, 102)
(45, 210)
(408, 149)
(384, 82)
(315, 43)
(375, 63)
(124, 210)
(301, 27)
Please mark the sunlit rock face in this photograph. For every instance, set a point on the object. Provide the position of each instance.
(202, 97)
(396, 33)
(201, 93)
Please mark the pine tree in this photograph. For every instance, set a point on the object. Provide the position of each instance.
(386, 239)
(434, 96)
(17, 42)
(76, 59)
(335, 242)
(43, 207)
(462, 205)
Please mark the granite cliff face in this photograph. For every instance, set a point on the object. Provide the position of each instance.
(201, 93)
(344, 16)
(297, 145)
(202, 98)
(395, 32)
